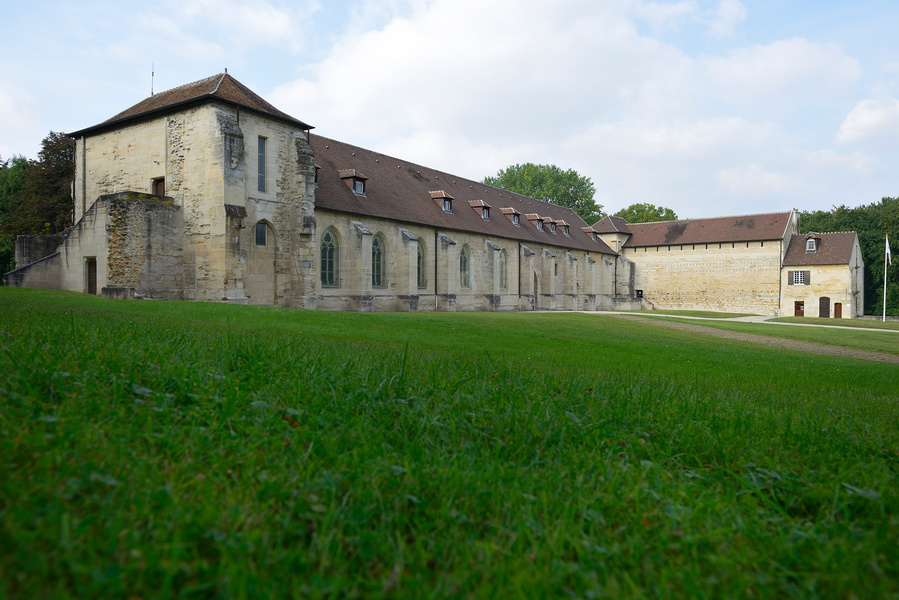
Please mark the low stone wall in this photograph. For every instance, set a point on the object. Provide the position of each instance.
(41, 274)
(32, 248)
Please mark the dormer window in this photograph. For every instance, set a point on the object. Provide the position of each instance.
(811, 245)
(539, 225)
(593, 236)
(552, 227)
(317, 169)
(355, 180)
(482, 208)
(516, 220)
(442, 199)
(565, 231)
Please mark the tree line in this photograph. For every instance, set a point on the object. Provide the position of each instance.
(36, 195)
(872, 222)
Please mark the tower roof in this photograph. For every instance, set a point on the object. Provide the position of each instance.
(221, 87)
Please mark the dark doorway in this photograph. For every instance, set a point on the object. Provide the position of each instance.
(799, 309)
(90, 275)
(159, 187)
(838, 310)
(824, 307)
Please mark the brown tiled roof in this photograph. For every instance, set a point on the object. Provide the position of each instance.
(220, 87)
(611, 224)
(832, 249)
(403, 191)
(743, 228)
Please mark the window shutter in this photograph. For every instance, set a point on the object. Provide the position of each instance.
(789, 277)
(808, 278)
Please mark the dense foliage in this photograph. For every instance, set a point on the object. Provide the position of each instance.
(36, 195)
(551, 184)
(873, 222)
(646, 213)
(190, 450)
(12, 177)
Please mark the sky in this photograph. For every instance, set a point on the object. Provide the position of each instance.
(708, 107)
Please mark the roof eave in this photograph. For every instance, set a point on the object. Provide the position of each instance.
(172, 107)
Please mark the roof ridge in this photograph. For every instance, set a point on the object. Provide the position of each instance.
(513, 195)
(780, 212)
(219, 84)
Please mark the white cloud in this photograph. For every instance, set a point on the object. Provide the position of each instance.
(658, 14)
(872, 123)
(724, 19)
(783, 76)
(19, 121)
(470, 87)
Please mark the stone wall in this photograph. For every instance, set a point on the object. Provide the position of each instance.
(42, 274)
(536, 276)
(32, 248)
(144, 246)
(727, 277)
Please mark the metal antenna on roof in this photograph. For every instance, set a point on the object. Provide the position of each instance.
(152, 76)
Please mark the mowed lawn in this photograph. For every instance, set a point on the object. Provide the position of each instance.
(164, 449)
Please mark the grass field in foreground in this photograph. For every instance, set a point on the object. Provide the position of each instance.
(193, 450)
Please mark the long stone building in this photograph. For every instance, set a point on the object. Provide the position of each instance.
(208, 192)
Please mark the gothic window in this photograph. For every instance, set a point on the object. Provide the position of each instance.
(503, 269)
(261, 234)
(465, 267)
(421, 265)
(261, 164)
(330, 259)
(377, 261)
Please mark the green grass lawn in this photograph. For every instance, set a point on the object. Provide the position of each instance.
(164, 449)
(863, 323)
(704, 314)
(881, 341)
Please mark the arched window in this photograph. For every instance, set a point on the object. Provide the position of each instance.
(330, 267)
(261, 237)
(503, 269)
(377, 261)
(464, 267)
(421, 265)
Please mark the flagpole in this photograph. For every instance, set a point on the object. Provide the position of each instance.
(886, 255)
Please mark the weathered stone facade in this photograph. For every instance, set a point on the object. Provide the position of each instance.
(206, 192)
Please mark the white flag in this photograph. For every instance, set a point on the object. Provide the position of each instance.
(889, 256)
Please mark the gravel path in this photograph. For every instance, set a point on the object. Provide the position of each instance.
(772, 341)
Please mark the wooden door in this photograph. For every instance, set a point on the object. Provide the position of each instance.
(838, 310)
(90, 265)
(824, 307)
(799, 309)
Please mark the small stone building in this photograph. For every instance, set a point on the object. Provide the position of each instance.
(208, 192)
(823, 276)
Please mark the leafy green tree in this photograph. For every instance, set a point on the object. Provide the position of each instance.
(44, 204)
(872, 222)
(12, 178)
(550, 184)
(646, 213)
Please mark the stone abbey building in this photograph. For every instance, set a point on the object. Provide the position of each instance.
(208, 192)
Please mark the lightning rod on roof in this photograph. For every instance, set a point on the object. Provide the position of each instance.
(152, 76)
